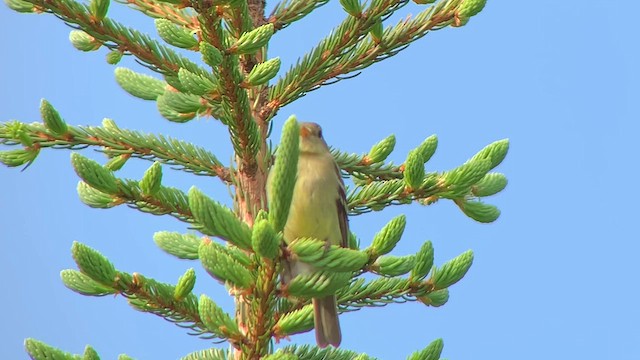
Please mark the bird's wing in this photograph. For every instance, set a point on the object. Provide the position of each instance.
(341, 204)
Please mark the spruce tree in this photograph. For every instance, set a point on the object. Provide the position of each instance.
(237, 83)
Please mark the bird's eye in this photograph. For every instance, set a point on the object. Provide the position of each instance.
(320, 133)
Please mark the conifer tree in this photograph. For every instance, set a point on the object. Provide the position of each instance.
(236, 83)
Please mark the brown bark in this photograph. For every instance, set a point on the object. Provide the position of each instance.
(250, 197)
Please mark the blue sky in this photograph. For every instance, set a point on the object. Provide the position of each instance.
(553, 277)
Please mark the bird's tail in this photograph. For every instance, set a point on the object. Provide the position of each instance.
(325, 316)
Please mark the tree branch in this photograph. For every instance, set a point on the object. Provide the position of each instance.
(147, 50)
(360, 167)
(150, 296)
(381, 291)
(287, 12)
(312, 69)
(116, 141)
(346, 50)
(163, 10)
(235, 102)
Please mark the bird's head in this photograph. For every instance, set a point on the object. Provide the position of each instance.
(311, 140)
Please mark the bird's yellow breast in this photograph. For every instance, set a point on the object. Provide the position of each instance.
(313, 211)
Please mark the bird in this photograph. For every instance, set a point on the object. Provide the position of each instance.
(318, 210)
